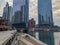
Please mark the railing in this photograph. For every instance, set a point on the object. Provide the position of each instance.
(38, 41)
(11, 39)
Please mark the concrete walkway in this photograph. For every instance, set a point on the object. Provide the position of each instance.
(25, 39)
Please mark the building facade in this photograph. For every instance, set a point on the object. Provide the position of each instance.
(17, 9)
(32, 23)
(7, 13)
(26, 12)
(45, 12)
(18, 17)
(11, 14)
(21, 5)
(3, 25)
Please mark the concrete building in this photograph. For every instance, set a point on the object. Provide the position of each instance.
(3, 25)
(32, 23)
(45, 12)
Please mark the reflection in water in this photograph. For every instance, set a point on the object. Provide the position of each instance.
(37, 35)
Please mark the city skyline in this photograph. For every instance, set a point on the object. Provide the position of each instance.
(56, 10)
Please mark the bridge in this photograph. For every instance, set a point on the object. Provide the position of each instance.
(15, 38)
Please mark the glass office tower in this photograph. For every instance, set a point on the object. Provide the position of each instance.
(23, 7)
(17, 5)
(45, 12)
(30, 8)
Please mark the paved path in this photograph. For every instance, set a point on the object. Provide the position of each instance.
(26, 40)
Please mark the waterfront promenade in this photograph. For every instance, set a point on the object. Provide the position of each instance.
(15, 38)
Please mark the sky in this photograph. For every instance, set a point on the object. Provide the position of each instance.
(55, 6)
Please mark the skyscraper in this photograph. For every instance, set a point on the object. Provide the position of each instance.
(11, 14)
(21, 5)
(17, 5)
(7, 13)
(18, 17)
(45, 12)
(26, 12)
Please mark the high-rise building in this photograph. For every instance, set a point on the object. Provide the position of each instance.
(7, 13)
(18, 17)
(23, 14)
(17, 8)
(21, 5)
(45, 12)
(26, 12)
(3, 25)
(12, 19)
(11, 14)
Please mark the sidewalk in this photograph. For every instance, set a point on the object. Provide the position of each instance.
(25, 39)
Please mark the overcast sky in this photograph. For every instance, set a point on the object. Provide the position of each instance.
(55, 6)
